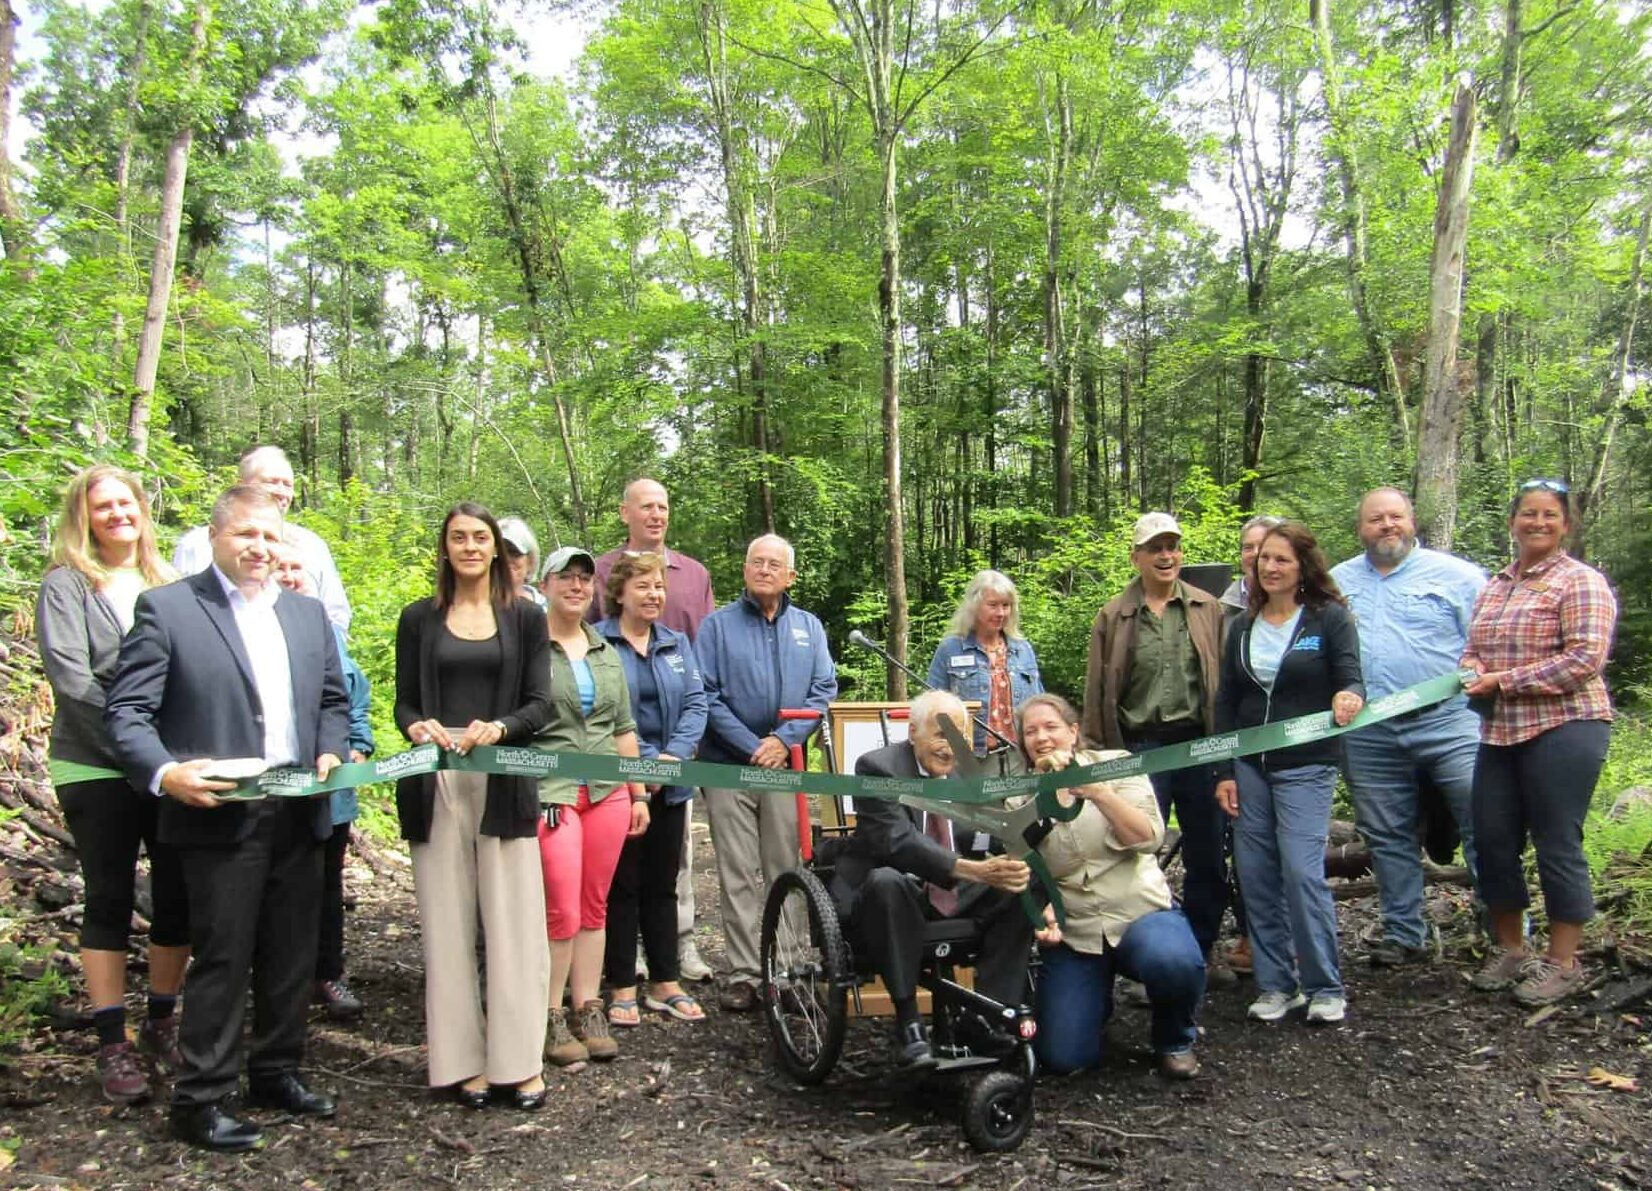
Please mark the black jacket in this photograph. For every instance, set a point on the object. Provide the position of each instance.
(184, 688)
(1323, 658)
(521, 701)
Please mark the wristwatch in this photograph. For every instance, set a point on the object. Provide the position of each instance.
(500, 724)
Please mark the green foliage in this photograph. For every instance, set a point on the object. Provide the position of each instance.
(28, 984)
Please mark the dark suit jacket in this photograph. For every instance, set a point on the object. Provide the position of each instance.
(184, 689)
(521, 701)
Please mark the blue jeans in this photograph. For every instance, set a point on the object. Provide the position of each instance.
(1075, 991)
(1383, 763)
(1284, 818)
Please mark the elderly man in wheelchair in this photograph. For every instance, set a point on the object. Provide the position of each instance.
(902, 898)
(904, 868)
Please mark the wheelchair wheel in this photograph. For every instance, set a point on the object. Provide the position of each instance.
(805, 976)
(998, 1112)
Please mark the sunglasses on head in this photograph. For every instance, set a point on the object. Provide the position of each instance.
(1557, 486)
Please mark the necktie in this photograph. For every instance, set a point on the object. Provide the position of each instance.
(939, 829)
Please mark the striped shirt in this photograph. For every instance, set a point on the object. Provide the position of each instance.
(1548, 631)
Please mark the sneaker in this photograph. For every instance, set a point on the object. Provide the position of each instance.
(738, 996)
(1271, 1006)
(561, 1047)
(158, 1036)
(912, 1051)
(1326, 1009)
(340, 1003)
(120, 1075)
(1388, 953)
(1544, 982)
(1501, 969)
(590, 1026)
(689, 964)
(1239, 956)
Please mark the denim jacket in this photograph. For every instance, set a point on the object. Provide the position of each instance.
(682, 695)
(343, 803)
(960, 665)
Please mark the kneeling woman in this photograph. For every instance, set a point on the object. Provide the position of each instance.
(1120, 915)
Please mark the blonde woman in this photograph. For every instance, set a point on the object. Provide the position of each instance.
(103, 557)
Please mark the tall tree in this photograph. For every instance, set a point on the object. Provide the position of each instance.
(11, 215)
(1441, 423)
(166, 243)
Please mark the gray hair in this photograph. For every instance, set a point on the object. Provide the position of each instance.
(986, 583)
(930, 705)
(515, 525)
(791, 554)
(249, 496)
(1266, 521)
(250, 461)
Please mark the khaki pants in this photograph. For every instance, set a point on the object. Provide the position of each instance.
(755, 835)
(457, 874)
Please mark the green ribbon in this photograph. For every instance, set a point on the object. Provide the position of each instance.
(593, 769)
(980, 803)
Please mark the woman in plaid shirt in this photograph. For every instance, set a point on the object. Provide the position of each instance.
(1541, 632)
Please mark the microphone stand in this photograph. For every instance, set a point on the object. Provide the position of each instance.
(1005, 748)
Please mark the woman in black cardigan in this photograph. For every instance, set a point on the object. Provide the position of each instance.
(1294, 651)
(473, 668)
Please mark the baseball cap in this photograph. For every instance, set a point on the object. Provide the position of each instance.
(1152, 525)
(559, 559)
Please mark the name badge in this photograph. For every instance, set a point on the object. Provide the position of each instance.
(963, 661)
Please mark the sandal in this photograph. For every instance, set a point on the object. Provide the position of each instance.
(678, 1005)
(622, 1012)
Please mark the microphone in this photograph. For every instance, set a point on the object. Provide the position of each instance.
(856, 637)
(861, 640)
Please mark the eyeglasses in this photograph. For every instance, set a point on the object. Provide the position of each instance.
(1560, 487)
(765, 565)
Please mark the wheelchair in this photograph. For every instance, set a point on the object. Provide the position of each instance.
(809, 973)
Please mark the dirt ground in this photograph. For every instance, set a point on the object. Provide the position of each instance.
(1427, 1085)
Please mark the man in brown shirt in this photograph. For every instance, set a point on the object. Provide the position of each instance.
(1155, 656)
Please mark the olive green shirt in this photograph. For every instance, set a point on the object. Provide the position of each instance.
(571, 730)
(1163, 689)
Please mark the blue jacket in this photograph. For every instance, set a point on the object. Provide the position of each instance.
(960, 665)
(755, 667)
(682, 694)
(342, 804)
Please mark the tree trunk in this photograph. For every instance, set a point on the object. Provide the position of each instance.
(1442, 409)
(166, 252)
(12, 239)
(1618, 390)
(889, 310)
(1060, 142)
(1089, 393)
(123, 170)
(1352, 216)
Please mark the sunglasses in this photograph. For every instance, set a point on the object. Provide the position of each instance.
(1560, 487)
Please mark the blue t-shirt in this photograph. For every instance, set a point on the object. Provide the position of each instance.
(585, 685)
(1268, 645)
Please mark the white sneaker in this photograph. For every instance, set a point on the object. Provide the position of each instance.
(689, 964)
(1327, 1009)
(1271, 1006)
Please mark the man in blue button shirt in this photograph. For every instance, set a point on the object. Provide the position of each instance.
(758, 656)
(1413, 607)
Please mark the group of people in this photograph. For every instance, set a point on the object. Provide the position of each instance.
(169, 690)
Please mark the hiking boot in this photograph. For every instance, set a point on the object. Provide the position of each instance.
(158, 1036)
(337, 999)
(561, 1047)
(1132, 992)
(1501, 969)
(1543, 982)
(1179, 1065)
(1218, 974)
(738, 996)
(1271, 1005)
(120, 1075)
(590, 1026)
(1239, 956)
(690, 965)
(1325, 1009)
(1388, 953)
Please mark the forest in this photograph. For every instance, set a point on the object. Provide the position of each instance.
(922, 287)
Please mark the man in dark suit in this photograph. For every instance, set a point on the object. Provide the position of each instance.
(226, 664)
(902, 867)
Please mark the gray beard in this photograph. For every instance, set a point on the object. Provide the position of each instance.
(1384, 555)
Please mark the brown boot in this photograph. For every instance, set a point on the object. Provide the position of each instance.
(561, 1047)
(590, 1026)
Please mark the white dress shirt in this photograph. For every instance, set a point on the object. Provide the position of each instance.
(266, 647)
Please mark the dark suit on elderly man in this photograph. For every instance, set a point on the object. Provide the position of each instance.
(878, 886)
(186, 688)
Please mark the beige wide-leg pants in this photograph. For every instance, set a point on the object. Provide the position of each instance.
(457, 874)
